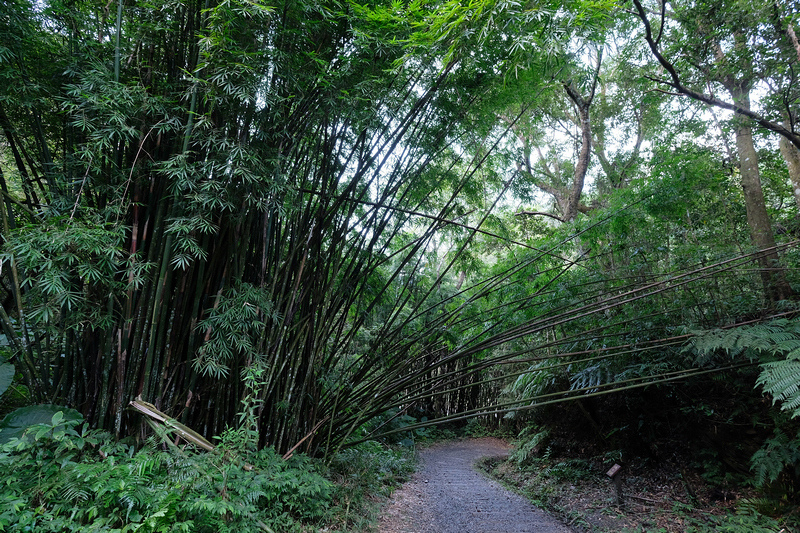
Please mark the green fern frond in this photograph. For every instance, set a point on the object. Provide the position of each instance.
(782, 380)
(537, 380)
(778, 339)
(778, 453)
(792, 404)
(785, 336)
(75, 493)
(591, 376)
(794, 353)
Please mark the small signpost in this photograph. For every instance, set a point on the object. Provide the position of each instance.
(614, 474)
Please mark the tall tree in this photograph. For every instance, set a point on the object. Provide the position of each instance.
(726, 48)
(563, 180)
(785, 24)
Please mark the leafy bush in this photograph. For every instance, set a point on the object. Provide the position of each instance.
(63, 477)
(393, 421)
(779, 454)
(776, 346)
(569, 470)
(362, 472)
(374, 466)
(15, 423)
(530, 444)
(477, 427)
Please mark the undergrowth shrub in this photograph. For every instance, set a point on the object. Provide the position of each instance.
(571, 470)
(778, 458)
(394, 421)
(363, 473)
(775, 345)
(530, 444)
(745, 521)
(476, 428)
(63, 477)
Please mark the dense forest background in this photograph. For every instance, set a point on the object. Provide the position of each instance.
(327, 222)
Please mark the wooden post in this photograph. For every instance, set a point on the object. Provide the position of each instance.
(614, 474)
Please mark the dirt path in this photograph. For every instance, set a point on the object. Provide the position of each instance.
(447, 495)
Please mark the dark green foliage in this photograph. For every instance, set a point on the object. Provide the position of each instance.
(779, 455)
(775, 344)
(780, 378)
(15, 394)
(15, 423)
(371, 467)
(531, 443)
(746, 521)
(638, 255)
(73, 266)
(361, 475)
(686, 216)
(7, 372)
(233, 329)
(64, 477)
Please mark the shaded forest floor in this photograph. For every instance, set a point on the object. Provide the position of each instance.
(663, 498)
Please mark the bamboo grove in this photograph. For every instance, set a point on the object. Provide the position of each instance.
(229, 209)
(214, 197)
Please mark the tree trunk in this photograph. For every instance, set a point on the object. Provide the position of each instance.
(772, 275)
(582, 165)
(789, 151)
(792, 157)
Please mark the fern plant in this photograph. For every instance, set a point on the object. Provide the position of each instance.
(778, 453)
(782, 380)
(529, 445)
(775, 344)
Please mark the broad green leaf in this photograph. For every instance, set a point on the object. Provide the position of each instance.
(6, 376)
(16, 422)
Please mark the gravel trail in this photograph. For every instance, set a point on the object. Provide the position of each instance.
(447, 495)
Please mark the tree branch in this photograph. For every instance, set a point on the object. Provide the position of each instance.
(675, 83)
(537, 213)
